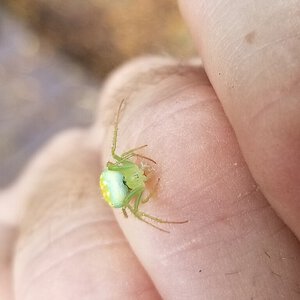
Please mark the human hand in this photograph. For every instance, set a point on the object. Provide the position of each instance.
(225, 163)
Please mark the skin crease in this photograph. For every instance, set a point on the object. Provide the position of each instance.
(253, 63)
(70, 245)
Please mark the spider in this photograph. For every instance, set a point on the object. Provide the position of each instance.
(122, 182)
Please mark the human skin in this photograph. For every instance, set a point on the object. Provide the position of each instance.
(227, 150)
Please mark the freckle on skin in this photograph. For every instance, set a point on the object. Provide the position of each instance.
(249, 37)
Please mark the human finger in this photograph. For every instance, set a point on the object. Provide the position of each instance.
(7, 241)
(69, 245)
(250, 50)
(233, 240)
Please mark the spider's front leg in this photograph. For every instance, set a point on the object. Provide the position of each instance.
(129, 152)
(132, 153)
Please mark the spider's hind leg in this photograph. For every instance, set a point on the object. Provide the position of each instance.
(141, 215)
(138, 215)
(124, 212)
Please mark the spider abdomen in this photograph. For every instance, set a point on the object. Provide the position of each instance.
(113, 188)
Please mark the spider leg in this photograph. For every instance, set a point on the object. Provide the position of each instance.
(133, 150)
(124, 212)
(131, 153)
(135, 212)
(141, 214)
(138, 201)
(134, 193)
(115, 135)
(137, 215)
(152, 192)
(140, 156)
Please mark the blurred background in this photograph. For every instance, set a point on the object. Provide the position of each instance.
(55, 54)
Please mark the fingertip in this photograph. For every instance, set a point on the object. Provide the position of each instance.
(252, 60)
(204, 180)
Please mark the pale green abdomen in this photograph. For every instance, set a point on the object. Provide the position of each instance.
(113, 188)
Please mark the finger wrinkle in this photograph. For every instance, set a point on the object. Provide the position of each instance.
(185, 246)
(257, 50)
(84, 249)
(150, 78)
(220, 176)
(8, 234)
(268, 107)
(199, 242)
(172, 112)
(62, 236)
(229, 219)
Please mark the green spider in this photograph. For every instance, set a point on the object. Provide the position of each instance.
(122, 182)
